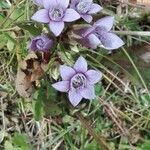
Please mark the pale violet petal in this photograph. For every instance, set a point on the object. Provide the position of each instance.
(80, 65)
(89, 1)
(89, 30)
(74, 97)
(41, 16)
(93, 41)
(62, 86)
(93, 76)
(49, 3)
(71, 15)
(63, 3)
(88, 93)
(56, 27)
(87, 18)
(106, 23)
(66, 72)
(111, 41)
(95, 8)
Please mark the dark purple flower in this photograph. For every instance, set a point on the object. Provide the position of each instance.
(85, 8)
(55, 13)
(78, 81)
(100, 35)
(41, 43)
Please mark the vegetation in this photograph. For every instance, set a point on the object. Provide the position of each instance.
(118, 119)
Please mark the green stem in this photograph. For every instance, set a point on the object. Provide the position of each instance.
(136, 69)
(136, 33)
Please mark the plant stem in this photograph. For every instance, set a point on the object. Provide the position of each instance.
(136, 33)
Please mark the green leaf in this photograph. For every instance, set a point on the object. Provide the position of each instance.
(4, 5)
(21, 140)
(38, 108)
(92, 146)
(31, 27)
(18, 14)
(98, 89)
(146, 145)
(51, 107)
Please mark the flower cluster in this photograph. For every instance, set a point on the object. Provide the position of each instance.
(55, 12)
(77, 81)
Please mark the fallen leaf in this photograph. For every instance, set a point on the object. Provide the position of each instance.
(29, 72)
(23, 84)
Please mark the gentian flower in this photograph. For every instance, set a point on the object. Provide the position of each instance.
(100, 35)
(55, 13)
(41, 43)
(78, 81)
(85, 8)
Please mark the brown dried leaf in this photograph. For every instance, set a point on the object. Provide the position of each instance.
(145, 3)
(29, 72)
(23, 84)
(37, 71)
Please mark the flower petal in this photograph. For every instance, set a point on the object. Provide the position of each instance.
(89, 1)
(88, 93)
(111, 41)
(41, 16)
(87, 18)
(106, 23)
(62, 86)
(71, 15)
(38, 2)
(56, 27)
(63, 3)
(48, 3)
(93, 76)
(89, 30)
(48, 45)
(74, 97)
(93, 41)
(80, 65)
(82, 32)
(95, 8)
(66, 72)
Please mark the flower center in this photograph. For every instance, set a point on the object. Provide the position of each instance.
(83, 7)
(40, 43)
(56, 14)
(78, 81)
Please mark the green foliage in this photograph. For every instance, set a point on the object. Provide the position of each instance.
(4, 5)
(146, 145)
(32, 28)
(8, 146)
(98, 89)
(63, 131)
(39, 105)
(92, 146)
(21, 141)
(45, 102)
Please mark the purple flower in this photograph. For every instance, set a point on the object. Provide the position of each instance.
(100, 35)
(78, 81)
(85, 8)
(55, 13)
(41, 43)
